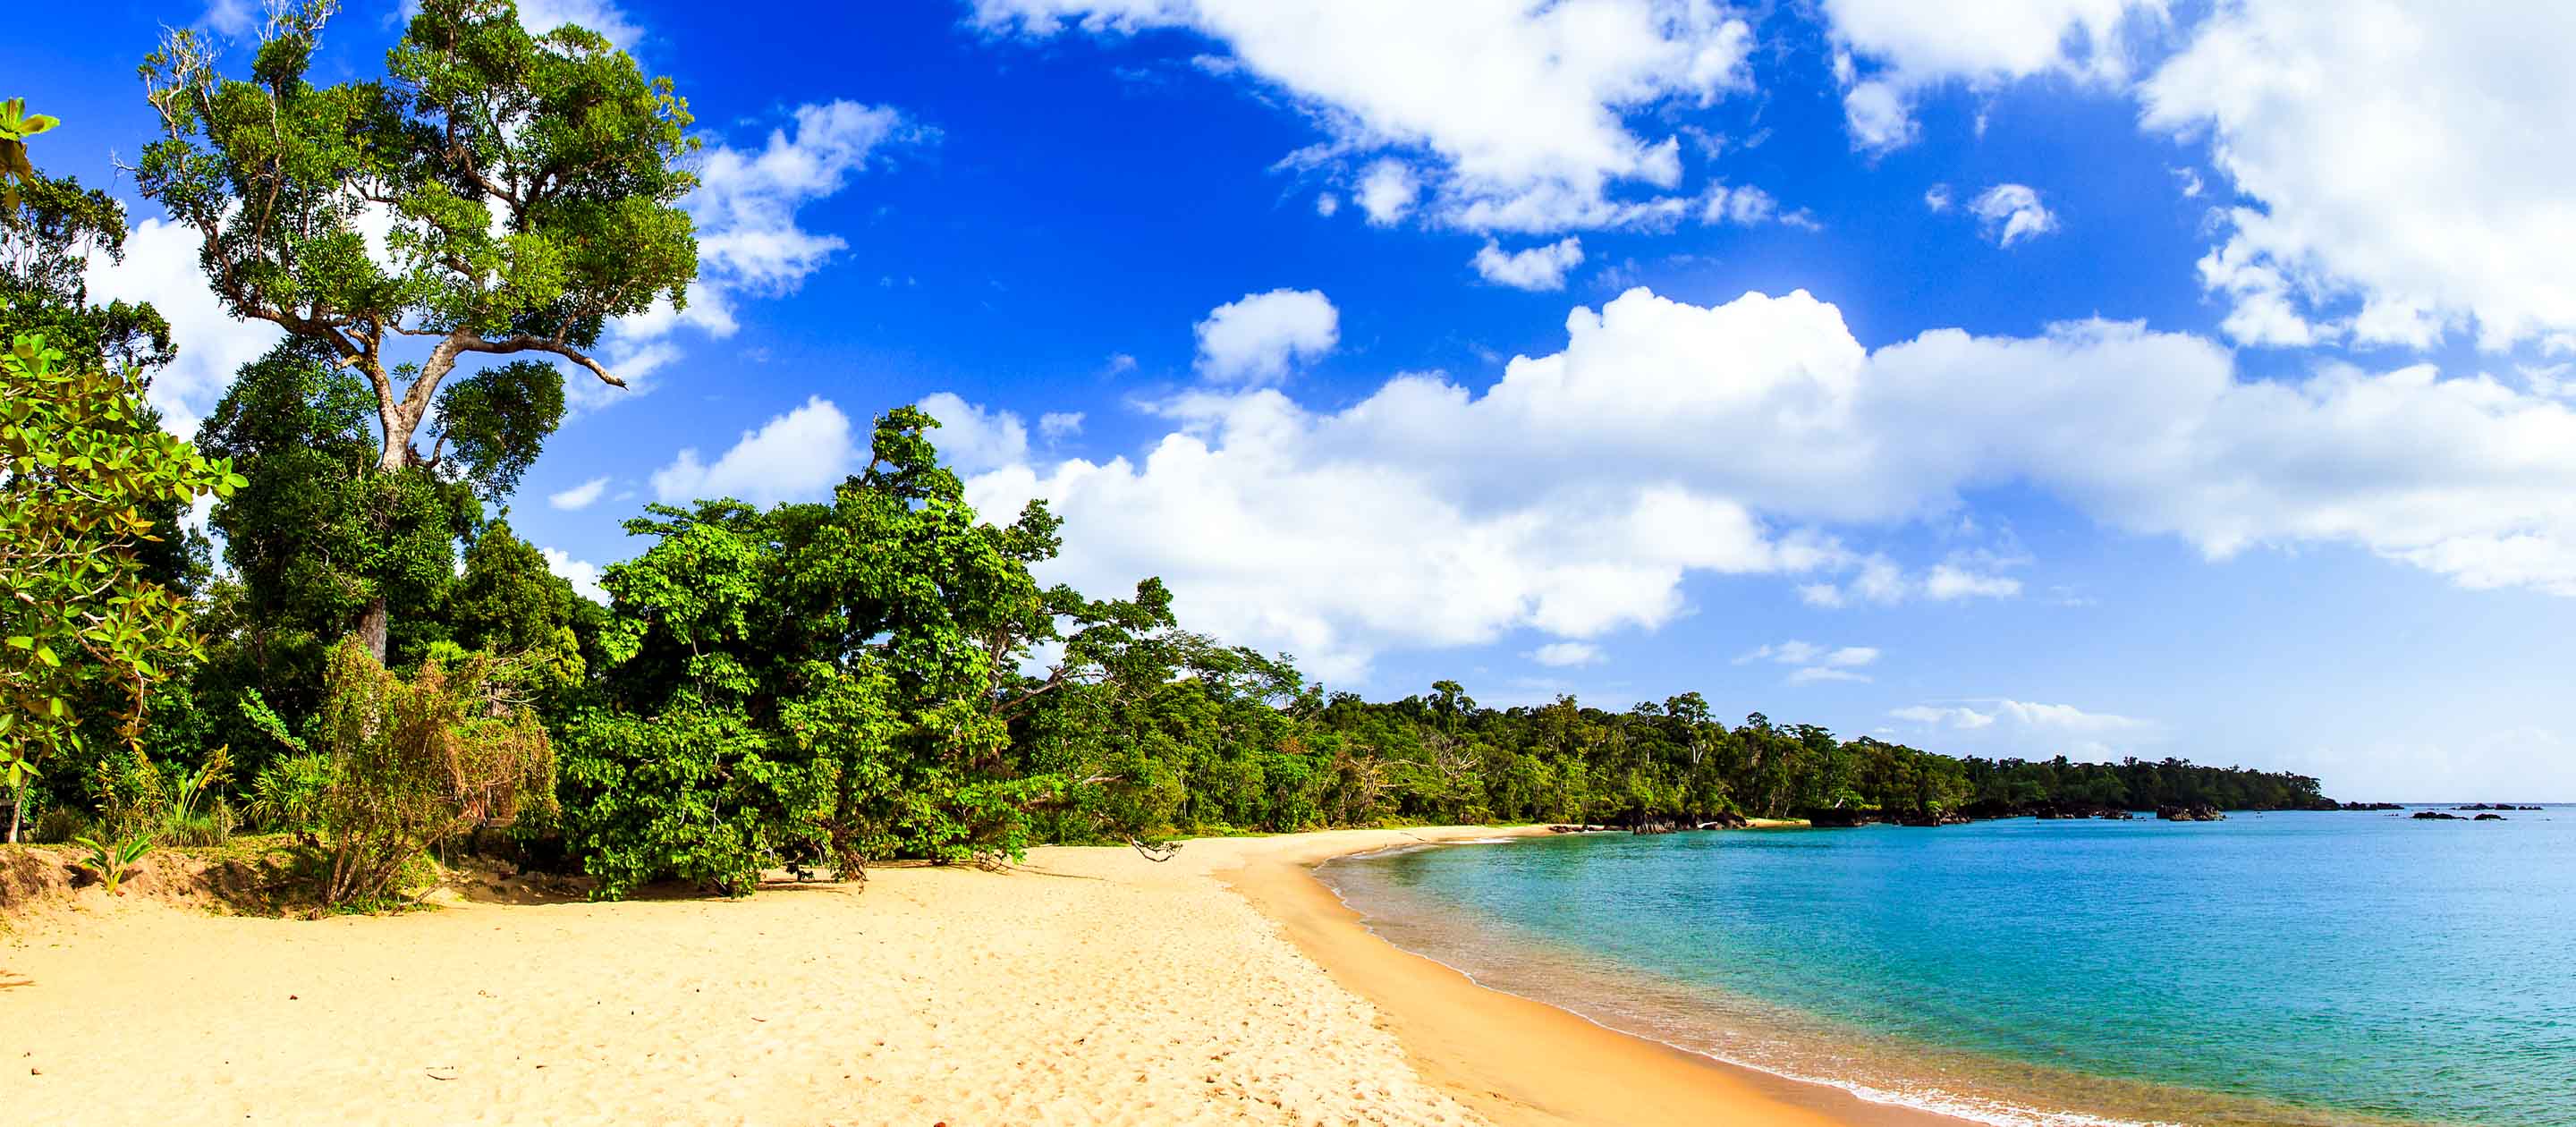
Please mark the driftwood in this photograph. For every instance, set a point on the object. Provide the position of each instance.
(1155, 851)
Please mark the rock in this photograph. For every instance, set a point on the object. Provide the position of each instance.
(2489, 818)
(1725, 820)
(2373, 806)
(2196, 812)
(2435, 816)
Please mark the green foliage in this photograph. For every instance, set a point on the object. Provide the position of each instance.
(289, 795)
(819, 683)
(415, 762)
(529, 189)
(16, 125)
(80, 455)
(112, 860)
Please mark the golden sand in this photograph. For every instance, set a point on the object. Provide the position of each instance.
(1090, 986)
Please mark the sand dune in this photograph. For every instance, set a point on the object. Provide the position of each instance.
(1090, 987)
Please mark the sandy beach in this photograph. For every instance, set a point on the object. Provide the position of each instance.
(1089, 986)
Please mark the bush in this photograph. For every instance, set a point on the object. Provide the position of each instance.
(415, 762)
(60, 825)
(288, 795)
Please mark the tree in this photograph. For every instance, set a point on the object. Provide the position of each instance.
(525, 189)
(79, 455)
(83, 460)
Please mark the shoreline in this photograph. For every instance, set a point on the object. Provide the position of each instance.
(1517, 1060)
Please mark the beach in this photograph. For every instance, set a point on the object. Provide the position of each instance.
(1086, 986)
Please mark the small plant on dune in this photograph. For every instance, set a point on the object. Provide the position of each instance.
(111, 860)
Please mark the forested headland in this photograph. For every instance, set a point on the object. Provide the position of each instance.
(365, 658)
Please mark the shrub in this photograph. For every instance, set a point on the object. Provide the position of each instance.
(416, 761)
(61, 825)
(288, 795)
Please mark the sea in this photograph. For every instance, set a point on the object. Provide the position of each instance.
(2311, 968)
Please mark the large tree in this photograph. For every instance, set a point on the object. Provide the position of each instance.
(496, 194)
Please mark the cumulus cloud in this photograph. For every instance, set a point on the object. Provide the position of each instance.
(801, 454)
(1537, 268)
(582, 574)
(2010, 213)
(1512, 115)
(1937, 198)
(971, 438)
(579, 497)
(1894, 49)
(1258, 338)
(1931, 716)
(1748, 206)
(2408, 165)
(1576, 494)
(1564, 655)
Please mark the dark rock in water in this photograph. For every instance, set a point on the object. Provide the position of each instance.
(1840, 817)
(2196, 812)
(1932, 820)
(2436, 816)
(2374, 806)
(2116, 815)
(1725, 820)
(2489, 818)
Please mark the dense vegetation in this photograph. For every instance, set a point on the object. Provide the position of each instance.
(382, 665)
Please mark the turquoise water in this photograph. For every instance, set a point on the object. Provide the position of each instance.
(2288, 968)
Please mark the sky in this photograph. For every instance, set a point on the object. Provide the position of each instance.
(2010, 377)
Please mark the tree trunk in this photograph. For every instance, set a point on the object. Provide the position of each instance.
(371, 628)
(17, 805)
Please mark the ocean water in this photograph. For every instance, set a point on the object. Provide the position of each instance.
(2289, 968)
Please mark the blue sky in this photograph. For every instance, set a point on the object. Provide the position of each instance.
(2170, 379)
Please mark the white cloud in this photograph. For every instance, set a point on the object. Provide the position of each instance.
(161, 267)
(1326, 203)
(1515, 114)
(1894, 49)
(800, 454)
(609, 20)
(1575, 495)
(228, 17)
(1387, 192)
(1937, 198)
(1058, 425)
(1747, 206)
(2010, 213)
(579, 497)
(972, 439)
(1814, 663)
(2047, 725)
(1562, 655)
(1256, 339)
(1949, 582)
(750, 242)
(1537, 268)
(1955, 717)
(582, 574)
(2410, 163)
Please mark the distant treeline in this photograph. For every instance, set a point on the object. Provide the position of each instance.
(1257, 753)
